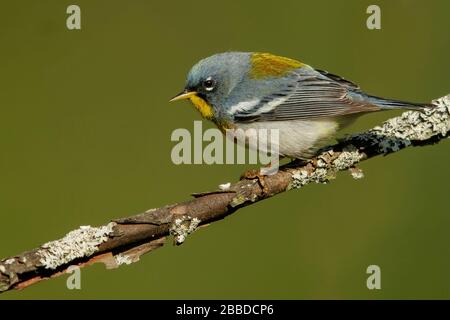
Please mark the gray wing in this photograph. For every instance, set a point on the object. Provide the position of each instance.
(313, 94)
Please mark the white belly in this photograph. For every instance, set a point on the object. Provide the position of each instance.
(297, 138)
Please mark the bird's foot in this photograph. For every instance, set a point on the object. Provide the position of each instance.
(256, 174)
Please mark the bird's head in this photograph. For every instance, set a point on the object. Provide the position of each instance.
(211, 80)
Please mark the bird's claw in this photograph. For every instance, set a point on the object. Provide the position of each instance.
(252, 174)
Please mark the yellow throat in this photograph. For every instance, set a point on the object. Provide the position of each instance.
(202, 106)
(207, 112)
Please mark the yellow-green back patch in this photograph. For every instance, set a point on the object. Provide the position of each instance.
(266, 65)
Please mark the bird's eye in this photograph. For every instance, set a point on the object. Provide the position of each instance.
(209, 84)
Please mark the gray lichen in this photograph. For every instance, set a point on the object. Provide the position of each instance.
(328, 163)
(303, 177)
(347, 158)
(79, 243)
(182, 227)
(399, 132)
(356, 173)
(121, 259)
(224, 186)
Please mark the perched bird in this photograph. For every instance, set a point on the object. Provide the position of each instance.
(264, 91)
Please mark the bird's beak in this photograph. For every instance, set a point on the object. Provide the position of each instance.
(183, 95)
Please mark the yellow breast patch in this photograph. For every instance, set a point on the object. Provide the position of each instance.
(268, 65)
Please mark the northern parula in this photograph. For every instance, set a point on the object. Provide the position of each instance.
(264, 91)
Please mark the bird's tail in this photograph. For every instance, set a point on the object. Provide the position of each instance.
(388, 104)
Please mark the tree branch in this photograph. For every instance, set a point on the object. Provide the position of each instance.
(123, 241)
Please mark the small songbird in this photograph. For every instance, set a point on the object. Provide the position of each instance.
(264, 91)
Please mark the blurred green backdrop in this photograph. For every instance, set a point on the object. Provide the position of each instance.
(85, 137)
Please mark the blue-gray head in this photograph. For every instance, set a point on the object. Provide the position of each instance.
(213, 78)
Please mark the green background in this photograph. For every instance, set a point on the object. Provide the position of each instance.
(85, 137)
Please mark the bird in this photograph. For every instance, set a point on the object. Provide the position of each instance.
(255, 90)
